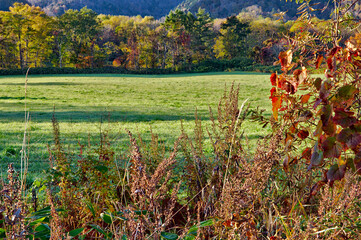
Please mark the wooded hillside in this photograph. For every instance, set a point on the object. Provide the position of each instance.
(160, 8)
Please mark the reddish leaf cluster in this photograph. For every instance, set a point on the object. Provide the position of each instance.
(326, 114)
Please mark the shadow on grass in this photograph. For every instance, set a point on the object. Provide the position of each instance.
(174, 75)
(21, 98)
(95, 116)
(40, 84)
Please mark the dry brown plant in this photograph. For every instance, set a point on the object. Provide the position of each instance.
(152, 209)
(13, 206)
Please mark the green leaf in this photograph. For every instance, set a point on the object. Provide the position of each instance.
(206, 223)
(2, 233)
(317, 83)
(101, 168)
(124, 237)
(91, 208)
(347, 92)
(75, 232)
(193, 230)
(144, 212)
(169, 236)
(42, 227)
(40, 220)
(45, 212)
(106, 218)
(189, 237)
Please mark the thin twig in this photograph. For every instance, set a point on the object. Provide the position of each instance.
(23, 163)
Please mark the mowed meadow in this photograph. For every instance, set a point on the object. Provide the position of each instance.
(87, 105)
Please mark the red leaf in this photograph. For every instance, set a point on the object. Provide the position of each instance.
(305, 98)
(335, 173)
(344, 118)
(326, 114)
(330, 128)
(325, 90)
(303, 134)
(227, 223)
(289, 87)
(306, 154)
(318, 61)
(285, 58)
(330, 64)
(349, 137)
(331, 148)
(273, 91)
(276, 104)
(334, 51)
(274, 79)
(300, 75)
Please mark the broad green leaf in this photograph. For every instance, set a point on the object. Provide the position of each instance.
(193, 230)
(75, 232)
(42, 227)
(206, 223)
(347, 92)
(37, 221)
(106, 218)
(41, 213)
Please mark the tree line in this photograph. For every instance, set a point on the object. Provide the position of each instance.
(84, 39)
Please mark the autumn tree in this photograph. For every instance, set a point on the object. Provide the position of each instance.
(79, 32)
(30, 28)
(231, 41)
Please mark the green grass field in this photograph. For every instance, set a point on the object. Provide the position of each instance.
(85, 105)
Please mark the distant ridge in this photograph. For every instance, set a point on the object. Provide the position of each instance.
(160, 8)
(5, 4)
(225, 8)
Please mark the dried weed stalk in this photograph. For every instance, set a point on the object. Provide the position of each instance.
(13, 206)
(152, 209)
